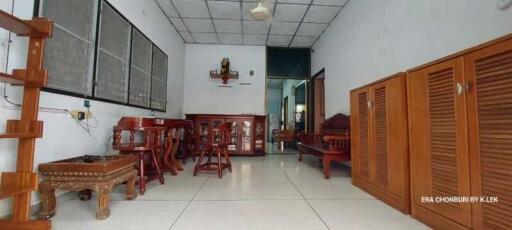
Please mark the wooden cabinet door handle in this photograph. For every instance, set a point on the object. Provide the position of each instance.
(459, 88)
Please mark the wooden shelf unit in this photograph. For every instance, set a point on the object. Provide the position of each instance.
(35, 78)
(12, 183)
(23, 129)
(21, 183)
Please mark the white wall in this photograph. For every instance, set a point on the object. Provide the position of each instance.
(371, 39)
(62, 136)
(203, 94)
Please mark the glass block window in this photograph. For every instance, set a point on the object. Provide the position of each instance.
(159, 80)
(140, 72)
(69, 54)
(112, 65)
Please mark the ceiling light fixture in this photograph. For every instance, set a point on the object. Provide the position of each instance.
(260, 13)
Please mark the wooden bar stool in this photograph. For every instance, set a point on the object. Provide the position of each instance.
(220, 149)
(149, 143)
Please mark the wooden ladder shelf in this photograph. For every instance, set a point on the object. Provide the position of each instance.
(21, 183)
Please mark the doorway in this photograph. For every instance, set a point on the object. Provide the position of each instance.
(318, 101)
(286, 102)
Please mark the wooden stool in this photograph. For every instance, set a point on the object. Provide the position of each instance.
(150, 144)
(220, 149)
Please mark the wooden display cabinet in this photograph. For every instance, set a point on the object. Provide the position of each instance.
(247, 135)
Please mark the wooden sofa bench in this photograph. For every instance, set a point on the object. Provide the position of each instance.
(333, 144)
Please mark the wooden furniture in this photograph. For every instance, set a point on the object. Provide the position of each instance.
(149, 143)
(173, 141)
(96, 173)
(220, 149)
(460, 137)
(248, 133)
(333, 144)
(380, 157)
(21, 183)
(283, 137)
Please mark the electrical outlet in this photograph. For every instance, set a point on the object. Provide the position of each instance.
(81, 114)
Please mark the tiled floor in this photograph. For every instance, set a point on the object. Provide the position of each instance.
(273, 192)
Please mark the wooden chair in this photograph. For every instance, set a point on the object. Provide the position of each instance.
(150, 143)
(221, 149)
(283, 137)
(333, 144)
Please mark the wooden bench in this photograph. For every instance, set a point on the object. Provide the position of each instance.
(333, 144)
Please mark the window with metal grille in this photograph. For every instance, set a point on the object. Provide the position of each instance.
(69, 54)
(140, 72)
(112, 62)
(97, 53)
(159, 80)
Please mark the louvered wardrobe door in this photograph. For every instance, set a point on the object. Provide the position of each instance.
(360, 120)
(380, 134)
(390, 139)
(438, 139)
(489, 74)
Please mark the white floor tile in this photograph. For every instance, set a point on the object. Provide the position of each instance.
(264, 215)
(311, 183)
(249, 183)
(363, 214)
(126, 215)
(261, 193)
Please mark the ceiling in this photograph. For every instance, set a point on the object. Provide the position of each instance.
(295, 23)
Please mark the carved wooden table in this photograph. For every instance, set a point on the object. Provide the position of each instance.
(172, 142)
(87, 173)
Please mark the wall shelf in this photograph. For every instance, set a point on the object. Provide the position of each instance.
(18, 135)
(8, 78)
(25, 225)
(23, 129)
(21, 183)
(37, 27)
(13, 184)
(35, 78)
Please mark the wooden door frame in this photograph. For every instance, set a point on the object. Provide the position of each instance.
(311, 102)
(285, 112)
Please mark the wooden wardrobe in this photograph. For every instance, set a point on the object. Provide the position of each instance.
(460, 115)
(380, 159)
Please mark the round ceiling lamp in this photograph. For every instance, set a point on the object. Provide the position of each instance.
(260, 13)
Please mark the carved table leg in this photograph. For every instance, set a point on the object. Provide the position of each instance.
(169, 156)
(103, 210)
(130, 193)
(142, 181)
(326, 160)
(48, 202)
(179, 166)
(85, 194)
